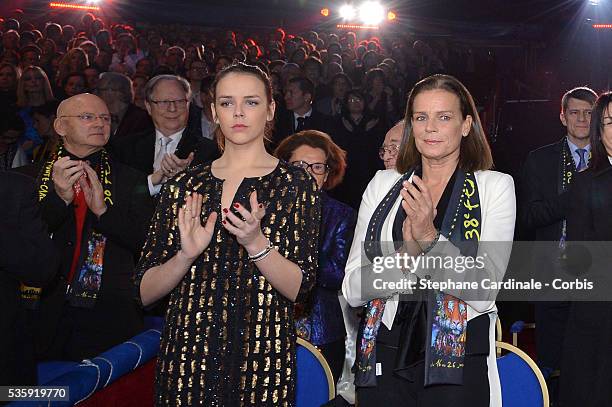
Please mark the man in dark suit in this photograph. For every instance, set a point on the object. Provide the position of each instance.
(98, 211)
(27, 255)
(299, 114)
(173, 145)
(547, 174)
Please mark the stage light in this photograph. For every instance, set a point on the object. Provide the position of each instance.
(371, 13)
(325, 12)
(356, 27)
(602, 26)
(391, 16)
(74, 6)
(347, 12)
(594, 2)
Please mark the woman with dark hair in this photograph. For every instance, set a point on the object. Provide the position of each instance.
(360, 134)
(234, 243)
(433, 348)
(9, 76)
(586, 362)
(320, 316)
(380, 96)
(331, 105)
(75, 83)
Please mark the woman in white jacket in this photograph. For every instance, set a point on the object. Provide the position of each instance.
(419, 226)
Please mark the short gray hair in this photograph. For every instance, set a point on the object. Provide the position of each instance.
(117, 81)
(150, 87)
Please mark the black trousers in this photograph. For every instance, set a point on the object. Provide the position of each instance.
(333, 353)
(392, 391)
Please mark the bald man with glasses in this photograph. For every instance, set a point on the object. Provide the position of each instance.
(97, 211)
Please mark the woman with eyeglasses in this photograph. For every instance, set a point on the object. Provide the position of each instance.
(234, 243)
(320, 318)
(360, 134)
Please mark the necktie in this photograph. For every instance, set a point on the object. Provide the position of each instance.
(80, 212)
(300, 126)
(582, 163)
(163, 149)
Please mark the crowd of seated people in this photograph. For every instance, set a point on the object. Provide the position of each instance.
(151, 86)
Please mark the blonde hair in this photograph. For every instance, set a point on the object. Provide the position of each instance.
(22, 97)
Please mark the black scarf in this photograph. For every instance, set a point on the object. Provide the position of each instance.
(444, 349)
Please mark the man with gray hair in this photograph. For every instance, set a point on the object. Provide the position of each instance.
(126, 118)
(174, 145)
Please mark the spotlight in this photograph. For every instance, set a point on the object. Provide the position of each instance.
(371, 13)
(391, 16)
(325, 12)
(594, 2)
(347, 12)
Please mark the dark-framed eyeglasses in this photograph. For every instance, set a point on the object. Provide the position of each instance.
(165, 104)
(316, 168)
(392, 149)
(91, 117)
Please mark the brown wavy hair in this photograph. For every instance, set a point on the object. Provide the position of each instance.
(335, 156)
(475, 153)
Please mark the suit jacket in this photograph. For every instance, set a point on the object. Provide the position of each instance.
(544, 206)
(589, 215)
(586, 359)
(135, 120)
(27, 255)
(138, 150)
(68, 332)
(285, 124)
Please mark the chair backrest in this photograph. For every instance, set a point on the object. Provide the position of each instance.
(315, 383)
(522, 383)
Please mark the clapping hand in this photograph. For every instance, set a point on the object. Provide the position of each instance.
(64, 175)
(248, 231)
(93, 190)
(195, 237)
(420, 212)
(172, 165)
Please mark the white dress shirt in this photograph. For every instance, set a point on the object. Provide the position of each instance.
(163, 145)
(296, 116)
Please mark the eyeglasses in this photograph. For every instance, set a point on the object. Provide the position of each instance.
(354, 99)
(316, 168)
(165, 104)
(90, 117)
(392, 149)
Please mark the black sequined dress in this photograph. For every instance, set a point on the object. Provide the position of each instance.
(229, 336)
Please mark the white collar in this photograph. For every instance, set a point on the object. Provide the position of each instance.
(172, 137)
(307, 114)
(610, 159)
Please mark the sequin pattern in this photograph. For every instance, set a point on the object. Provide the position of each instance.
(229, 338)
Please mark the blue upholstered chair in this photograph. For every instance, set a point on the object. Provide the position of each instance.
(522, 382)
(315, 383)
